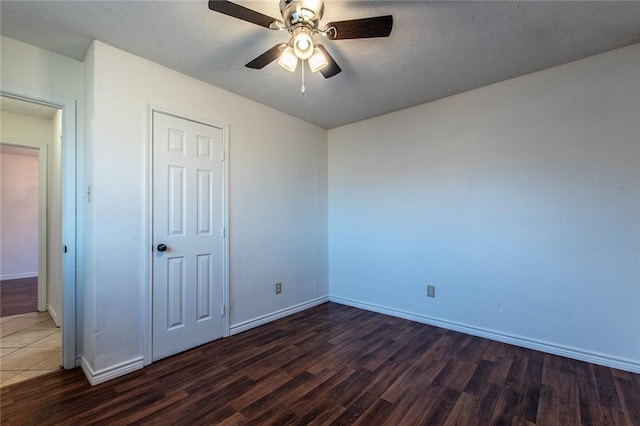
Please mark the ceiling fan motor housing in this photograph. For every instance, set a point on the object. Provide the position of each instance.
(301, 12)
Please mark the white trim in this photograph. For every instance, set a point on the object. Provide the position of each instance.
(109, 373)
(43, 231)
(69, 190)
(10, 277)
(538, 345)
(148, 312)
(147, 339)
(226, 261)
(264, 319)
(54, 315)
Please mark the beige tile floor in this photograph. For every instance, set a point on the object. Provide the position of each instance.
(29, 347)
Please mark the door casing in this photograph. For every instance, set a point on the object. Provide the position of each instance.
(148, 342)
(71, 235)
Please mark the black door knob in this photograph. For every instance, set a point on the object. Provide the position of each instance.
(162, 247)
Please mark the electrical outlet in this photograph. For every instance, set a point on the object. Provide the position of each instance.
(431, 291)
(278, 288)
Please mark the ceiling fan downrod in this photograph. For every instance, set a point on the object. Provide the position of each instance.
(301, 12)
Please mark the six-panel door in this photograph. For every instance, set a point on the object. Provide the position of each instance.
(188, 219)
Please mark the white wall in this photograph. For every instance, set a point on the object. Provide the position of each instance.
(35, 69)
(86, 327)
(277, 200)
(20, 128)
(520, 201)
(18, 215)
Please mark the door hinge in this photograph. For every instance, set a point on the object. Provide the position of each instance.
(222, 155)
(223, 232)
(222, 310)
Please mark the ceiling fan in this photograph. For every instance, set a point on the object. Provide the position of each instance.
(301, 18)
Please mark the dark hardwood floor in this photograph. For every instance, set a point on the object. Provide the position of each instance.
(18, 296)
(333, 364)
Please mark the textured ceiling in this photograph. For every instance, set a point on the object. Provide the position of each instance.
(436, 49)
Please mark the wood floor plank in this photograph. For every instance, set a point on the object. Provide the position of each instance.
(437, 404)
(629, 397)
(19, 296)
(505, 406)
(457, 374)
(376, 413)
(464, 411)
(334, 364)
(396, 390)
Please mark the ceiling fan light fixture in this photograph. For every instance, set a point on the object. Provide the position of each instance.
(288, 59)
(317, 61)
(301, 19)
(303, 43)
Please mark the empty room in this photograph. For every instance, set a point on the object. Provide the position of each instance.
(338, 212)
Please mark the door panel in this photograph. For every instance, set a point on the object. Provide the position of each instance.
(188, 218)
(204, 202)
(204, 286)
(176, 200)
(175, 292)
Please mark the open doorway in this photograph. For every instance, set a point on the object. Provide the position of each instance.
(20, 223)
(31, 307)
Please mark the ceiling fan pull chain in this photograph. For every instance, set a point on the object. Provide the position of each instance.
(302, 66)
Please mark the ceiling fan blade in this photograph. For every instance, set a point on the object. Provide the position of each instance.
(332, 67)
(267, 57)
(241, 12)
(378, 26)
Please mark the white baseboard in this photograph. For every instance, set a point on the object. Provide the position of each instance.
(97, 377)
(100, 376)
(565, 351)
(54, 315)
(264, 319)
(8, 277)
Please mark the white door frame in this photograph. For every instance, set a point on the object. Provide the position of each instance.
(43, 193)
(69, 205)
(148, 341)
